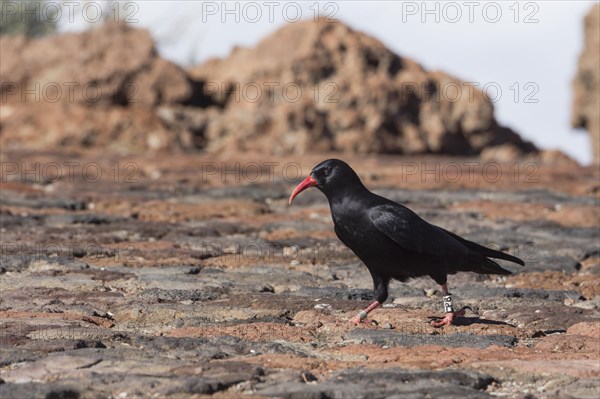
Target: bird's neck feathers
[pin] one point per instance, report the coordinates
(345, 189)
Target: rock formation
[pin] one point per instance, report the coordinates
(323, 86)
(307, 87)
(586, 86)
(92, 89)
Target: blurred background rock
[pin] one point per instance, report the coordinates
(73, 78)
(586, 86)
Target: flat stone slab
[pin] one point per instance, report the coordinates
(390, 383)
(398, 338)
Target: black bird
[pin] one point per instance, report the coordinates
(393, 241)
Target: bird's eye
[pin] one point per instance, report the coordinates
(327, 171)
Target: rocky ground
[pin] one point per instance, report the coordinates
(190, 275)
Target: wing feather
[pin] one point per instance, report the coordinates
(411, 232)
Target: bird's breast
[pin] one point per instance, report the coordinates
(352, 228)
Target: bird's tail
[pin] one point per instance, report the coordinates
(474, 262)
(487, 252)
(488, 266)
(492, 253)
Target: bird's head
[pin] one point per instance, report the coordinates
(330, 176)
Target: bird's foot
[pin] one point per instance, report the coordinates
(449, 318)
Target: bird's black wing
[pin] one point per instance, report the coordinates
(411, 232)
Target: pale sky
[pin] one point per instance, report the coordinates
(528, 50)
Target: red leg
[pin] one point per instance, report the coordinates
(362, 315)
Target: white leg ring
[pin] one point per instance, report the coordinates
(448, 304)
(362, 315)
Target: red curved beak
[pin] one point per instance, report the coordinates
(306, 183)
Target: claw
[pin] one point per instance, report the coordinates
(449, 318)
(359, 319)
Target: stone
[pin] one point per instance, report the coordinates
(89, 91)
(391, 383)
(355, 96)
(395, 338)
(586, 84)
(588, 329)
